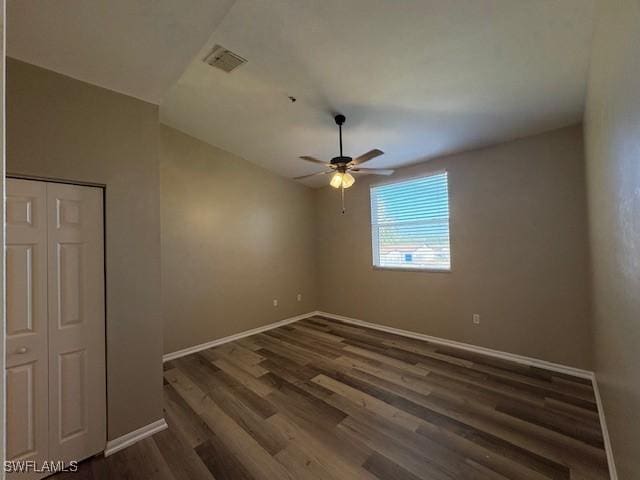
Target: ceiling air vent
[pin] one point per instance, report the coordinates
(223, 59)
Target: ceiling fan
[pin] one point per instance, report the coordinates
(342, 166)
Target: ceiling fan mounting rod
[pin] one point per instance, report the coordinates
(340, 119)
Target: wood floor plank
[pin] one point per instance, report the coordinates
(302, 465)
(385, 434)
(394, 362)
(428, 351)
(249, 421)
(254, 458)
(419, 405)
(338, 463)
(146, 461)
(382, 467)
(308, 343)
(430, 419)
(249, 343)
(325, 400)
(222, 463)
(233, 401)
(556, 422)
(582, 415)
(254, 384)
(499, 373)
(409, 460)
(292, 398)
(370, 403)
(317, 333)
(250, 399)
(184, 421)
(541, 441)
(181, 458)
(237, 355)
(298, 354)
(415, 383)
(240, 353)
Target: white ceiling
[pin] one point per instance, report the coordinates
(416, 79)
(136, 47)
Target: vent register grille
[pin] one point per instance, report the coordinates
(223, 59)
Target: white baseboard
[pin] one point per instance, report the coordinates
(521, 359)
(605, 431)
(130, 438)
(231, 338)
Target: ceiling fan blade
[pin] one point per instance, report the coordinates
(373, 171)
(312, 175)
(314, 160)
(367, 156)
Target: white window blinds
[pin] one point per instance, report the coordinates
(410, 224)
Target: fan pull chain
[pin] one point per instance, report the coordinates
(342, 192)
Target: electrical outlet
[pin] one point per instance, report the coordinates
(476, 319)
(275, 302)
(299, 297)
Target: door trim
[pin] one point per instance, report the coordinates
(37, 178)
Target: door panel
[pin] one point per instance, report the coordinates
(19, 264)
(77, 421)
(70, 288)
(73, 394)
(27, 336)
(20, 208)
(21, 423)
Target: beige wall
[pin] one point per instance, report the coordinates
(519, 253)
(234, 237)
(63, 128)
(612, 124)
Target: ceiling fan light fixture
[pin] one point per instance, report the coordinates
(348, 180)
(342, 180)
(336, 180)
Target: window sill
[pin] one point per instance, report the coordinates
(417, 270)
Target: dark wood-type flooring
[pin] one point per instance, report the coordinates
(320, 399)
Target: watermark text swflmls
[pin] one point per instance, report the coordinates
(47, 466)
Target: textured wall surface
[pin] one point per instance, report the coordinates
(519, 253)
(234, 237)
(612, 123)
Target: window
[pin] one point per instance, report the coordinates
(410, 224)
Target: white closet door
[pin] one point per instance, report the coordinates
(26, 327)
(77, 418)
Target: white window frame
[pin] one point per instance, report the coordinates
(375, 244)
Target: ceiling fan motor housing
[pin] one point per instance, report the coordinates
(340, 160)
